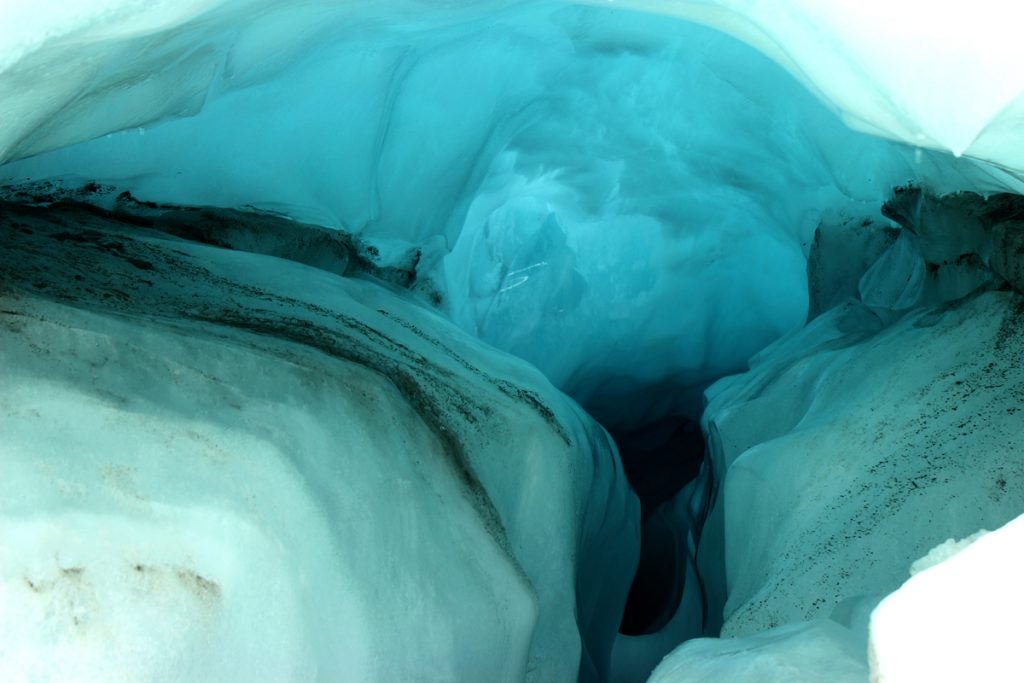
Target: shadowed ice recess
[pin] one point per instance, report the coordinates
(508, 340)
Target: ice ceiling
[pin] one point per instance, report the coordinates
(623, 198)
(622, 193)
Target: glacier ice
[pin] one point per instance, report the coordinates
(938, 76)
(920, 444)
(810, 652)
(850, 449)
(606, 173)
(220, 463)
(633, 196)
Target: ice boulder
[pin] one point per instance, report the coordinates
(227, 465)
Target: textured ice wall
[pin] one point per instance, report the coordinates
(222, 464)
(850, 449)
(847, 459)
(946, 77)
(657, 202)
(623, 199)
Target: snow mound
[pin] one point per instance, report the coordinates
(957, 620)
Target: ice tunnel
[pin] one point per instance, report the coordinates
(606, 341)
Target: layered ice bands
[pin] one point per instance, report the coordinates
(221, 465)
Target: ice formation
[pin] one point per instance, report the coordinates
(938, 76)
(221, 464)
(885, 444)
(576, 146)
(275, 275)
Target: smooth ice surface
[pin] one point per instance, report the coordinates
(812, 652)
(957, 620)
(221, 464)
(943, 76)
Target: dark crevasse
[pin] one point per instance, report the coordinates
(659, 460)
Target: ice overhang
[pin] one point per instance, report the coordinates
(945, 76)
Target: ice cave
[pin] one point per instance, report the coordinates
(486, 341)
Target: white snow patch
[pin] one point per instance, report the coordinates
(958, 620)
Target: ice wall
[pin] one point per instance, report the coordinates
(623, 199)
(221, 464)
(849, 450)
(656, 203)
